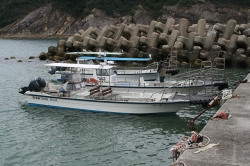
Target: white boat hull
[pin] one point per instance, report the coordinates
(109, 106)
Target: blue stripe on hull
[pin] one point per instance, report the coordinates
(94, 111)
(108, 101)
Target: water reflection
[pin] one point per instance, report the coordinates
(112, 138)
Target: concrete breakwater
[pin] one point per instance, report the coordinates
(191, 43)
(231, 135)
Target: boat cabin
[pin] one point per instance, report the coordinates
(101, 73)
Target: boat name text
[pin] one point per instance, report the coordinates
(44, 98)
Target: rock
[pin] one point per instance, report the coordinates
(242, 61)
(77, 37)
(197, 63)
(203, 55)
(192, 56)
(52, 49)
(240, 51)
(31, 57)
(209, 40)
(43, 56)
(184, 64)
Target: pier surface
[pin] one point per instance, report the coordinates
(233, 135)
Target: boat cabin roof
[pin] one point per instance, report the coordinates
(96, 53)
(85, 66)
(112, 58)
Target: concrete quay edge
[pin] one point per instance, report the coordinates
(233, 135)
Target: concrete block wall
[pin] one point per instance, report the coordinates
(196, 41)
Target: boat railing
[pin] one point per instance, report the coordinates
(216, 72)
(209, 72)
(153, 65)
(127, 99)
(183, 97)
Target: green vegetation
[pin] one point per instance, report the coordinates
(13, 10)
(10, 11)
(187, 3)
(232, 3)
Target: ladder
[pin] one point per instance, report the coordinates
(171, 61)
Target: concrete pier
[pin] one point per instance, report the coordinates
(233, 135)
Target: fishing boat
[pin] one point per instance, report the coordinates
(75, 95)
(149, 73)
(107, 77)
(128, 74)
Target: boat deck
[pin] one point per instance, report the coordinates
(129, 96)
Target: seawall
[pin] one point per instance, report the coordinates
(233, 134)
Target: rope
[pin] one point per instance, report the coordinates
(194, 141)
(210, 104)
(227, 94)
(222, 115)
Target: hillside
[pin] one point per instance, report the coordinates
(198, 29)
(36, 18)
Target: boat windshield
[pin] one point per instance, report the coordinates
(85, 61)
(104, 72)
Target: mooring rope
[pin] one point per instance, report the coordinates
(194, 141)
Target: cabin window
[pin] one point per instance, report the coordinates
(78, 86)
(73, 86)
(82, 84)
(111, 72)
(104, 72)
(84, 61)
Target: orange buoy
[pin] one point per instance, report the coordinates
(95, 81)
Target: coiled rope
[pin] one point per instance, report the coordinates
(222, 115)
(194, 141)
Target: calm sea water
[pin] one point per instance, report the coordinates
(46, 136)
